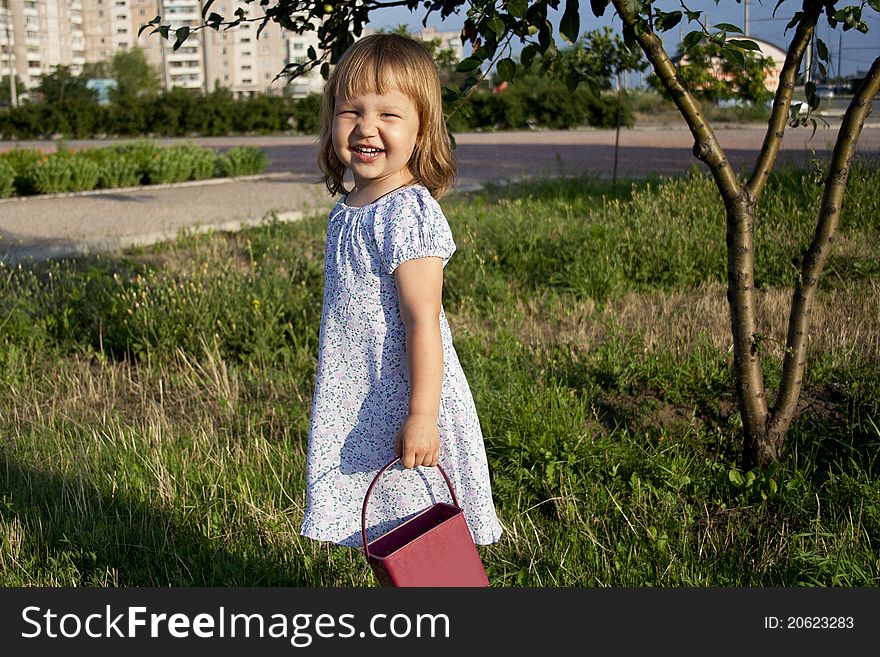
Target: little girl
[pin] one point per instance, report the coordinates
(389, 382)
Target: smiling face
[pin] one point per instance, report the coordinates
(374, 136)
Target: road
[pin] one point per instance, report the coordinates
(664, 150)
(106, 220)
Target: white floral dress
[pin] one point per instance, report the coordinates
(361, 395)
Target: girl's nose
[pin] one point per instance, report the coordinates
(367, 126)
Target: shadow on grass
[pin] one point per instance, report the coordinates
(79, 535)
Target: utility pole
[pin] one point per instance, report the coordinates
(206, 70)
(10, 53)
(162, 48)
(746, 27)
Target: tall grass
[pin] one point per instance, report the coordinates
(154, 403)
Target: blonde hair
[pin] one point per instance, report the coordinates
(380, 63)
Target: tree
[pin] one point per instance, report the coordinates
(61, 86)
(135, 76)
(5, 90)
(711, 77)
(490, 27)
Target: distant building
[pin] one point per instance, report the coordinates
(768, 50)
(38, 35)
(45, 34)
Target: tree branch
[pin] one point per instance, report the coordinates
(815, 258)
(706, 146)
(740, 211)
(782, 102)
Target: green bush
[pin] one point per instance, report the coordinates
(7, 179)
(307, 114)
(181, 162)
(242, 161)
(141, 152)
(62, 172)
(21, 159)
(166, 166)
(118, 171)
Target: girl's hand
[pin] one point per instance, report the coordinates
(418, 442)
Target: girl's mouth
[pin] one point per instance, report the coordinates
(366, 153)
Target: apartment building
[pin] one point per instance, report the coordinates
(38, 35)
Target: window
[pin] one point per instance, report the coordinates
(122, 30)
(246, 67)
(299, 46)
(246, 53)
(246, 81)
(245, 40)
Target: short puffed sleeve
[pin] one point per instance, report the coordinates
(411, 225)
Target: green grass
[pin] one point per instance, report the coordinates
(154, 403)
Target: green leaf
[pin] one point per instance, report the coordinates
(449, 95)
(545, 37)
(666, 21)
(527, 56)
(570, 25)
(728, 27)
(573, 79)
(155, 21)
(497, 25)
(506, 69)
(468, 64)
(517, 7)
(734, 56)
(181, 34)
(823, 50)
(634, 6)
(743, 44)
(691, 39)
(598, 7)
(736, 478)
(467, 84)
(810, 93)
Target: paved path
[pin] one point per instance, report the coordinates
(100, 221)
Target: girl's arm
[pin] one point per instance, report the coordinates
(419, 290)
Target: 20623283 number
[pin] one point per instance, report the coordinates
(819, 622)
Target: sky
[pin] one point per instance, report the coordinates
(858, 51)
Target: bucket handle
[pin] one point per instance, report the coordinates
(370, 490)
